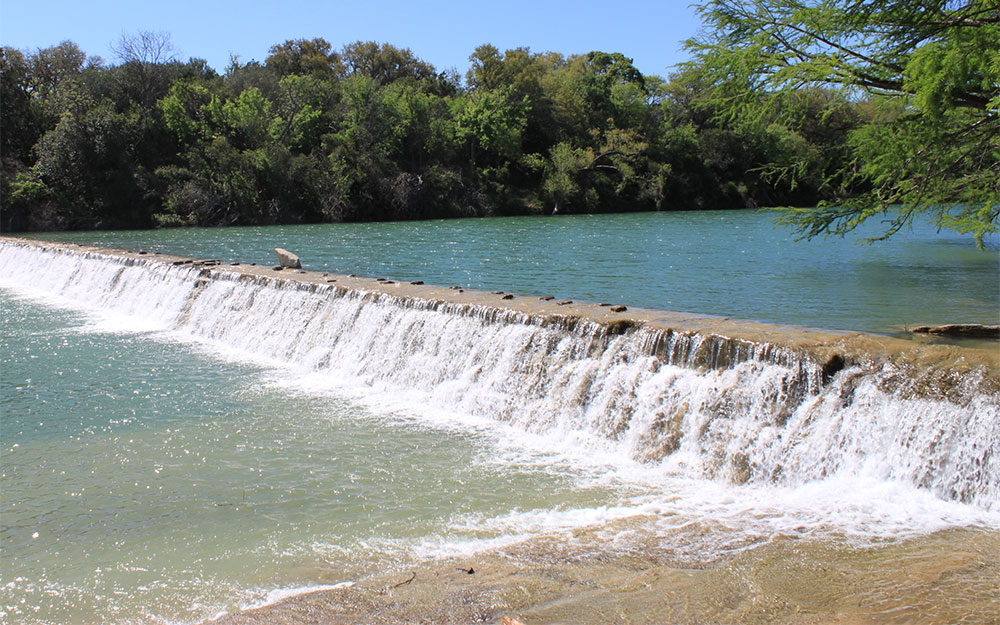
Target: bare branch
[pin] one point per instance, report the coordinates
(145, 47)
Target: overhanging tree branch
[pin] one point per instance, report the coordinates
(926, 67)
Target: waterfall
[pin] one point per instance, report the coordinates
(697, 405)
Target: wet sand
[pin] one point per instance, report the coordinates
(947, 578)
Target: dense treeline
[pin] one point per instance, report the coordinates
(372, 132)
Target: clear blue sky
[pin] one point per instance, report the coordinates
(443, 33)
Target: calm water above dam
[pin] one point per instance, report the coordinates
(729, 263)
(173, 448)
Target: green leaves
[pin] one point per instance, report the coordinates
(786, 102)
(491, 122)
(929, 73)
(184, 110)
(303, 57)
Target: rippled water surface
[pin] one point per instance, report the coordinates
(143, 478)
(731, 263)
(167, 474)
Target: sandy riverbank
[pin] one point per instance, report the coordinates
(946, 578)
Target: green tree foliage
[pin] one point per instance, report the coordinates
(90, 163)
(51, 66)
(927, 72)
(184, 110)
(589, 179)
(385, 63)
(298, 110)
(304, 57)
(490, 124)
(20, 114)
(372, 132)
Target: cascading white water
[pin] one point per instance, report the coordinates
(694, 405)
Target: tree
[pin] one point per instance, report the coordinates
(89, 162)
(490, 123)
(385, 63)
(595, 178)
(240, 77)
(522, 72)
(19, 119)
(183, 110)
(145, 57)
(304, 56)
(50, 66)
(299, 110)
(930, 71)
(486, 66)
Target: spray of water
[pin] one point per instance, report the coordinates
(688, 405)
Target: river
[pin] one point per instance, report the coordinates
(174, 450)
(730, 263)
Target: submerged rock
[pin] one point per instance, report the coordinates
(971, 330)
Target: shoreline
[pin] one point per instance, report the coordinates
(939, 579)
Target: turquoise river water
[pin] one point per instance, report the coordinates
(730, 263)
(170, 453)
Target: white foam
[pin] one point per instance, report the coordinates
(861, 510)
(852, 455)
(277, 595)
